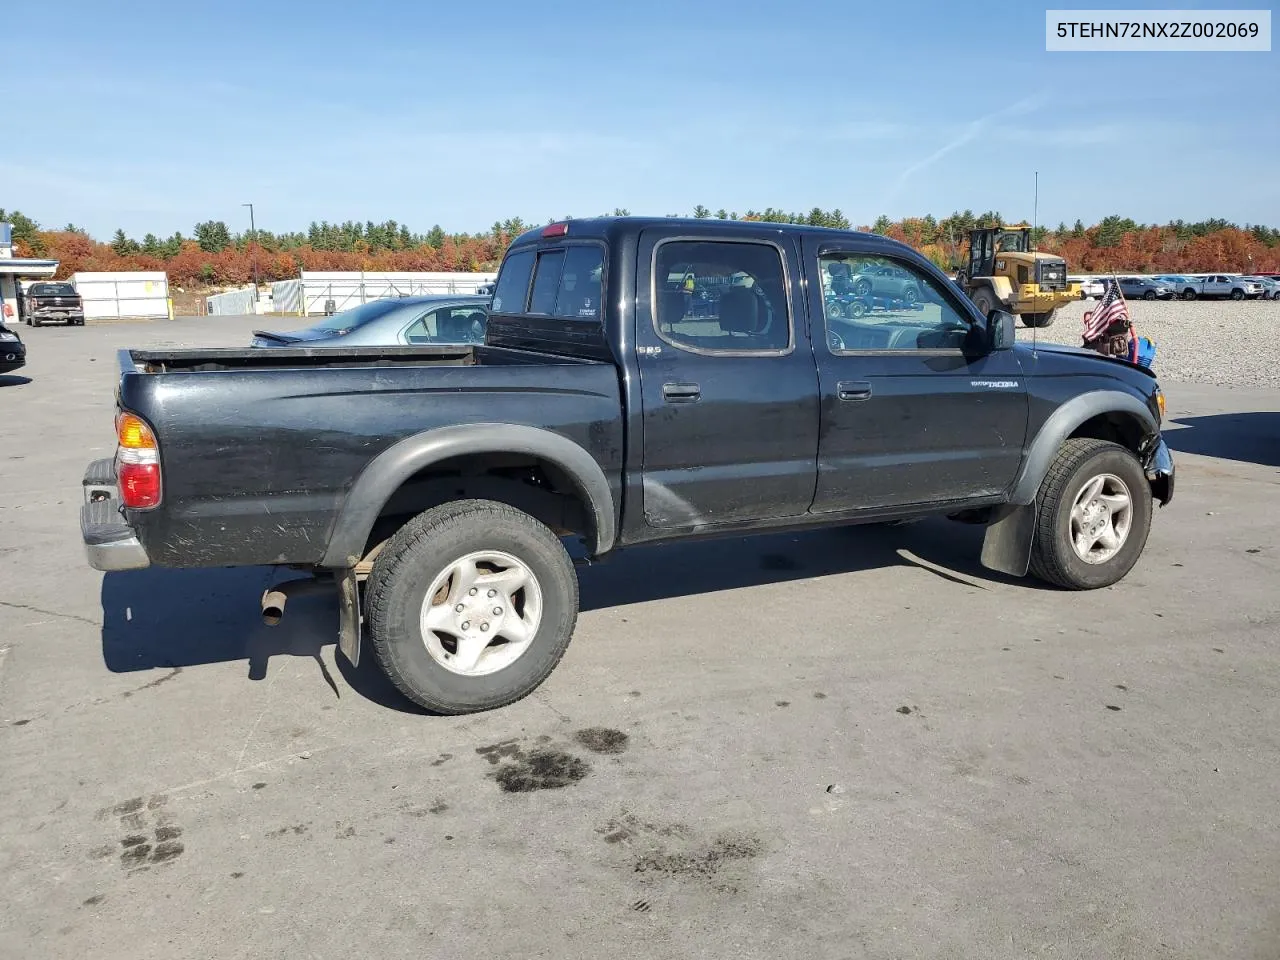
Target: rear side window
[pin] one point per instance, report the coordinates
(513, 283)
(579, 297)
(721, 297)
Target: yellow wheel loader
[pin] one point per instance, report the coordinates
(1004, 273)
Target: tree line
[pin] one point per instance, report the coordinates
(214, 255)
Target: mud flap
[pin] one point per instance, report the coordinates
(1007, 545)
(349, 616)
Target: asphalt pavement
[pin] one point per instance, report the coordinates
(846, 743)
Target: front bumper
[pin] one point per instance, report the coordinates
(1159, 469)
(109, 543)
(13, 354)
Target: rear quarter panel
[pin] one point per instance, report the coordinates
(256, 464)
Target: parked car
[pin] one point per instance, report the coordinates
(405, 321)
(885, 282)
(45, 302)
(1270, 286)
(600, 407)
(1090, 288)
(1145, 288)
(1184, 287)
(1224, 285)
(13, 352)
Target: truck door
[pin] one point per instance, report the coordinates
(909, 416)
(728, 386)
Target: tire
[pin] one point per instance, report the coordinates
(1149, 295)
(984, 301)
(1188, 294)
(856, 309)
(1237, 294)
(862, 288)
(35, 322)
(414, 562)
(1039, 319)
(1080, 462)
(911, 295)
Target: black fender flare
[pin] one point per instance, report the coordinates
(389, 469)
(1060, 425)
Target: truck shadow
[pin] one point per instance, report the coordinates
(1247, 437)
(158, 618)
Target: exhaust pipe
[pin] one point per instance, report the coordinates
(274, 599)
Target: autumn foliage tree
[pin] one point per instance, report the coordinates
(214, 256)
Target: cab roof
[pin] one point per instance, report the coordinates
(610, 228)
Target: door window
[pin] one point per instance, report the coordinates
(876, 303)
(448, 325)
(716, 296)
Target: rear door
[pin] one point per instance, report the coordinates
(910, 413)
(728, 385)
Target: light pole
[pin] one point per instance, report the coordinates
(253, 257)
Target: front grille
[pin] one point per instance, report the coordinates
(1051, 274)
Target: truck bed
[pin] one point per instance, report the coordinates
(201, 360)
(259, 448)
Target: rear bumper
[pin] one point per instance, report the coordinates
(1159, 469)
(109, 543)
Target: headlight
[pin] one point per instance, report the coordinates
(8, 337)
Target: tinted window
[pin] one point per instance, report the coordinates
(513, 283)
(579, 296)
(348, 320)
(546, 282)
(870, 308)
(719, 296)
(52, 290)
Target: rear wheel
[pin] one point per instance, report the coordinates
(470, 606)
(1093, 515)
(35, 322)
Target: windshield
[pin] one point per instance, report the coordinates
(348, 320)
(51, 290)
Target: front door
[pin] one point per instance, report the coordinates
(911, 412)
(728, 385)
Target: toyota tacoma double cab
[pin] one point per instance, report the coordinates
(436, 488)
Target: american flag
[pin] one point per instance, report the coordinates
(1110, 309)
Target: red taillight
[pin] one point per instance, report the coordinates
(137, 463)
(555, 230)
(139, 484)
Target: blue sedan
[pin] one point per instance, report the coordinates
(405, 321)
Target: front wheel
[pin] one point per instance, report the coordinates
(1188, 294)
(1093, 515)
(984, 301)
(470, 606)
(1237, 294)
(1149, 295)
(1039, 319)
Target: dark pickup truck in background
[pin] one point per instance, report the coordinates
(641, 380)
(52, 301)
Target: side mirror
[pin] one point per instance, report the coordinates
(1001, 328)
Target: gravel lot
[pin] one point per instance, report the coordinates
(1201, 341)
(831, 745)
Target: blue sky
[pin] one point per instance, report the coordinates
(462, 114)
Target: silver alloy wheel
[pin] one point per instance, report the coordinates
(1101, 518)
(481, 613)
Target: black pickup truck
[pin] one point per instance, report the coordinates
(46, 302)
(641, 380)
